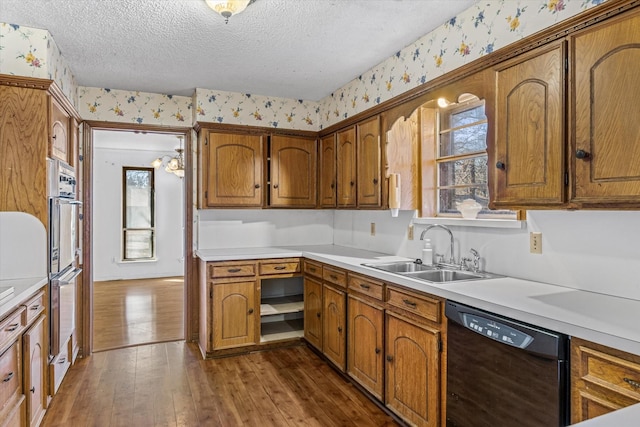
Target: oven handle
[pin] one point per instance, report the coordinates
(68, 279)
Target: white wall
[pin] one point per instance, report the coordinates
(134, 150)
(246, 228)
(589, 250)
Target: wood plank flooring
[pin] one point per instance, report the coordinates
(133, 312)
(168, 384)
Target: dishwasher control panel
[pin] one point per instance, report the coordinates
(496, 331)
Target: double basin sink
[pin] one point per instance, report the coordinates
(429, 273)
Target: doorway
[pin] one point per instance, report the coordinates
(138, 229)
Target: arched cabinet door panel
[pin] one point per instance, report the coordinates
(606, 85)
(234, 314)
(231, 168)
(529, 147)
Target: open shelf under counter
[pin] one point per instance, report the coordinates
(282, 330)
(282, 305)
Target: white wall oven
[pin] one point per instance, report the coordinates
(63, 272)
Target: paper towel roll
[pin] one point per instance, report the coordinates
(394, 193)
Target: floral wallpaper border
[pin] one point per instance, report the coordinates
(33, 52)
(486, 26)
(134, 107)
(248, 109)
(479, 30)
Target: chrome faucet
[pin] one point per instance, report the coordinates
(451, 251)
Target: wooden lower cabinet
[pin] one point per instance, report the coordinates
(602, 380)
(412, 371)
(35, 353)
(313, 311)
(234, 314)
(365, 345)
(334, 325)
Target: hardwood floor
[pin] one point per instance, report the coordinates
(133, 312)
(168, 384)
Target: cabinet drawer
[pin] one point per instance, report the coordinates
(610, 371)
(35, 306)
(12, 326)
(232, 270)
(423, 306)
(335, 276)
(365, 285)
(313, 269)
(282, 266)
(10, 373)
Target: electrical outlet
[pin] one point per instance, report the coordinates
(535, 242)
(410, 233)
(373, 228)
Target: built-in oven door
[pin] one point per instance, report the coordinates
(63, 233)
(63, 307)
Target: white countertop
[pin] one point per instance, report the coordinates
(22, 289)
(604, 319)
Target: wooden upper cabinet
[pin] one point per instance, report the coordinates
(346, 163)
(529, 147)
(24, 141)
(59, 146)
(327, 187)
(606, 87)
(369, 163)
(231, 170)
(293, 172)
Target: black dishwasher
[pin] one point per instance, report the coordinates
(501, 372)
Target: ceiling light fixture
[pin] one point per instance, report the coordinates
(174, 165)
(443, 102)
(228, 8)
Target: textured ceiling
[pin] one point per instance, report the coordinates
(300, 49)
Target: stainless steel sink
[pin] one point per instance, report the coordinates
(429, 273)
(446, 275)
(401, 267)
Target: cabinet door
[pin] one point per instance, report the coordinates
(313, 312)
(293, 171)
(365, 362)
(346, 163)
(412, 377)
(59, 144)
(234, 314)
(24, 139)
(232, 170)
(35, 355)
(606, 85)
(369, 163)
(327, 187)
(333, 327)
(529, 167)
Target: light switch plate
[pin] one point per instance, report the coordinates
(535, 242)
(410, 233)
(373, 228)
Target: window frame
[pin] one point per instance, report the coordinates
(152, 228)
(449, 110)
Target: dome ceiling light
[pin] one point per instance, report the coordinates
(228, 8)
